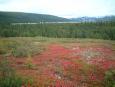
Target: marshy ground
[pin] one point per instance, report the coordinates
(52, 62)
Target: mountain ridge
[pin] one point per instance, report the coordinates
(94, 19)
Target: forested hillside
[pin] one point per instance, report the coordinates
(20, 17)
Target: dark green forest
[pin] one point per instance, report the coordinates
(99, 30)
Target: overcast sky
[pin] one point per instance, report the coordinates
(62, 8)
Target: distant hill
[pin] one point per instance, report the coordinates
(20, 17)
(93, 19)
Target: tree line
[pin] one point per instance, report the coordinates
(98, 30)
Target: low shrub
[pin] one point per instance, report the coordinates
(8, 77)
(110, 78)
(19, 48)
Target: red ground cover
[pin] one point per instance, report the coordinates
(76, 66)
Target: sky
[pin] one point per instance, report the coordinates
(61, 8)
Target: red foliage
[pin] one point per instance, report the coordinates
(61, 65)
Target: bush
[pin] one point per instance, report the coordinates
(8, 77)
(110, 78)
(19, 48)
